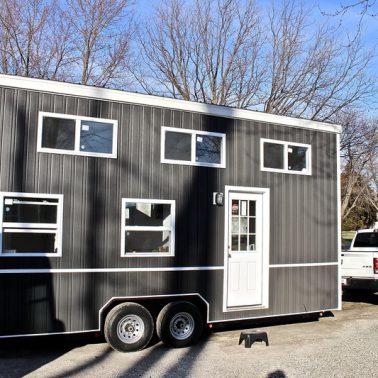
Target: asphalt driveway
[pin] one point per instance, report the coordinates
(342, 344)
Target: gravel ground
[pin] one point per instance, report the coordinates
(342, 345)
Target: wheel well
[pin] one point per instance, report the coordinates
(153, 305)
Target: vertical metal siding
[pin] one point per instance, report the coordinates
(303, 209)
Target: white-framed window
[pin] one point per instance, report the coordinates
(31, 224)
(192, 147)
(77, 135)
(148, 227)
(285, 157)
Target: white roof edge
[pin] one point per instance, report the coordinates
(57, 87)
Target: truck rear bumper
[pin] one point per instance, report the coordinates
(360, 283)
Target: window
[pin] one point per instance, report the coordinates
(287, 157)
(30, 224)
(191, 147)
(148, 227)
(366, 240)
(76, 135)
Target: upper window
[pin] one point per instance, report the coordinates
(148, 227)
(278, 156)
(76, 135)
(191, 147)
(30, 224)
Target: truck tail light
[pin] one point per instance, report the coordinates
(375, 265)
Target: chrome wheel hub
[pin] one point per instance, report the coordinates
(130, 329)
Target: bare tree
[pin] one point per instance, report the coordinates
(102, 31)
(33, 39)
(225, 52)
(204, 51)
(313, 73)
(359, 152)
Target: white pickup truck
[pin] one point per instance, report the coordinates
(359, 264)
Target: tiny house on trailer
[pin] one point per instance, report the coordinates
(125, 213)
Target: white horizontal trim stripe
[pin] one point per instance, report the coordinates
(272, 315)
(40, 85)
(112, 270)
(304, 265)
(49, 334)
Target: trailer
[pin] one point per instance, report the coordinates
(126, 213)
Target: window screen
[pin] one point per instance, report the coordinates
(273, 155)
(178, 146)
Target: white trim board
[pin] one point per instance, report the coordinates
(50, 86)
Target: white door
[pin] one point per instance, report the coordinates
(245, 249)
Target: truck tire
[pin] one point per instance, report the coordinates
(128, 327)
(179, 324)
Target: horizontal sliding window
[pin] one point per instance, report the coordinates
(75, 135)
(30, 224)
(286, 157)
(191, 147)
(148, 227)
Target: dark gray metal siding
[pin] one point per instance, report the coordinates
(303, 209)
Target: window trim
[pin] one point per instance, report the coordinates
(77, 120)
(172, 229)
(193, 133)
(307, 172)
(42, 228)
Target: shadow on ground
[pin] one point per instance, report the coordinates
(360, 296)
(21, 356)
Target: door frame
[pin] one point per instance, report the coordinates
(265, 192)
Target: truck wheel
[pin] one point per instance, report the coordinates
(128, 327)
(179, 324)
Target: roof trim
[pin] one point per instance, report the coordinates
(57, 87)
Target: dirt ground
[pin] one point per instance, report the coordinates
(342, 344)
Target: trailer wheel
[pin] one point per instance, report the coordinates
(128, 327)
(179, 324)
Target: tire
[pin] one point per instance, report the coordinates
(179, 324)
(128, 327)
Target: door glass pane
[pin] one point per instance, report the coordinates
(297, 158)
(24, 242)
(178, 146)
(235, 225)
(148, 214)
(147, 241)
(58, 133)
(235, 207)
(235, 243)
(251, 242)
(252, 225)
(96, 137)
(243, 225)
(208, 149)
(243, 242)
(252, 208)
(273, 155)
(17, 211)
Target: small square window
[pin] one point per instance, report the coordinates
(76, 135)
(286, 157)
(191, 147)
(148, 227)
(96, 137)
(208, 149)
(178, 146)
(30, 224)
(58, 133)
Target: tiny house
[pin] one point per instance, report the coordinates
(127, 213)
